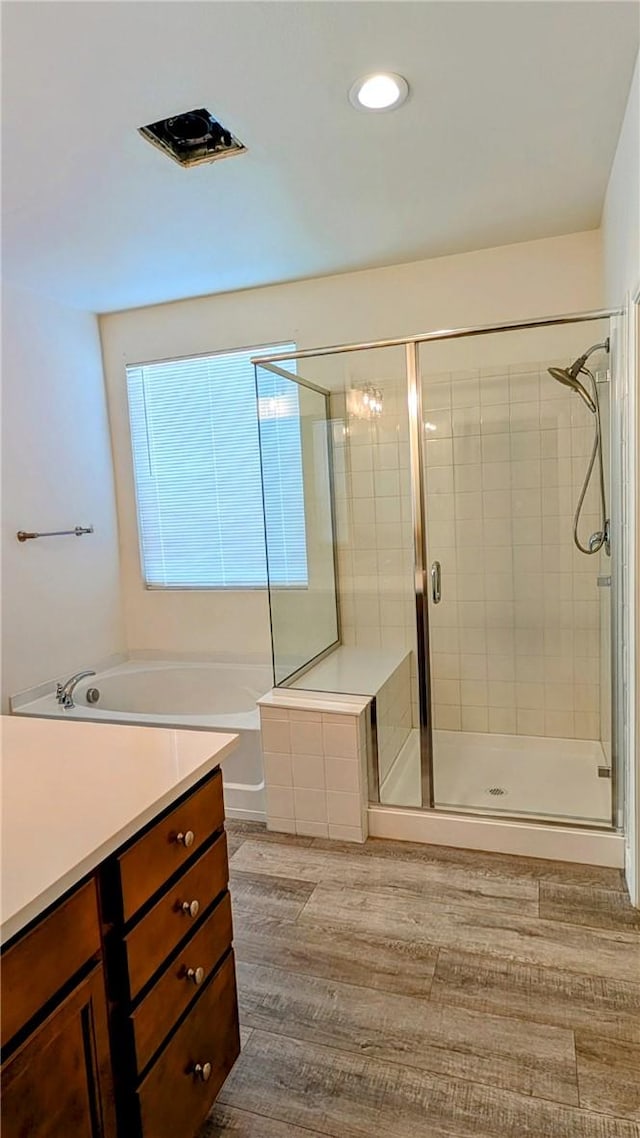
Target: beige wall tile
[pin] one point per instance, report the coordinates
(343, 809)
(280, 802)
(277, 770)
(276, 736)
(306, 738)
(310, 805)
(308, 771)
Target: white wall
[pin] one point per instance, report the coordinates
(621, 213)
(536, 278)
(621, 249)
(60, 596)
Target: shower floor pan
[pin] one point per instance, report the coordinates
(520, 775)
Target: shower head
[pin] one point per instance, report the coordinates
(563, 375)
(569, 375)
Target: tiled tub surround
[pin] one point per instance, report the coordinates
(516, 638)
(315, 762)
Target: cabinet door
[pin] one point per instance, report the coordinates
(57, 1084)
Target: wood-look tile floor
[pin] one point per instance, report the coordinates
(395, 990)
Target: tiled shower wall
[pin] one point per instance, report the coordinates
(373, 520)
(516, 638)
(394, 716)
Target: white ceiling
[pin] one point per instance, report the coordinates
(508, 135)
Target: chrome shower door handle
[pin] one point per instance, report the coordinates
(436, 589)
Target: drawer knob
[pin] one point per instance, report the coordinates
(196, 975)
(186, 839)
(190, 908)
(202, 1071)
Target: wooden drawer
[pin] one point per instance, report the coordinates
(44, 959)
(170, 995)
(58, 1082)
(167, 923)
(173, 1099)
(151, 861)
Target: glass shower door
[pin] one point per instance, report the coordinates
(519, 662)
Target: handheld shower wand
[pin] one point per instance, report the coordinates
(569, 377)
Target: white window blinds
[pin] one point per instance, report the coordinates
(196, 456)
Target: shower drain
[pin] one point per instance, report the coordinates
(496, 790)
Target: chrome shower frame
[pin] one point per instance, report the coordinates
(421, 583)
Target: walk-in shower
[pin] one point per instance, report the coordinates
(457, 472)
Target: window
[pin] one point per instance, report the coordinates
(196, 457)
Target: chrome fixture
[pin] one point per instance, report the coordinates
(442, 334)
(436, 582)
(365, 402)
(563, 375)
(569, 377)
(77, 531)
(64, 692)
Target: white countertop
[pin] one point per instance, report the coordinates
(72, 793)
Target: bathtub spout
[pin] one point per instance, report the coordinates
(64, 692)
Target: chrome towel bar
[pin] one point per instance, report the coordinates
(77, 531)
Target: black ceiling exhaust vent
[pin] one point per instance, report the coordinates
(193, 138)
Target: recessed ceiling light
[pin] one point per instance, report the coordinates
(383, 91)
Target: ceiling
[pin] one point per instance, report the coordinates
(508, 135)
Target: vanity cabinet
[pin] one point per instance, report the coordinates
(120, 1015)
(56, 1077)
(170, 968)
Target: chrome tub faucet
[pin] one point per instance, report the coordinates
(64, 692)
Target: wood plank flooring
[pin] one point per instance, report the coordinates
(395, 990)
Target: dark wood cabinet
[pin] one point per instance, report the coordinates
(180, 983)
(148, 1060)
(39, 964)
(58, 1079)
(147, 862)
(176, 1095)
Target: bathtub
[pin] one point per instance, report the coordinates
(196, 696)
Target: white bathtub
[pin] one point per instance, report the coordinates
(197, 696)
